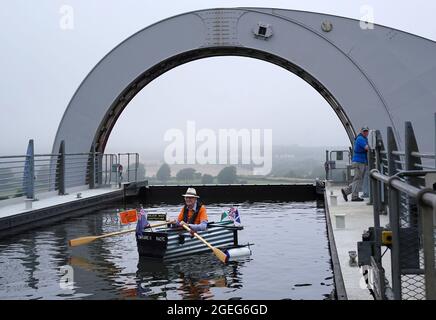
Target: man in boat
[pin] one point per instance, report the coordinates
(193, 212)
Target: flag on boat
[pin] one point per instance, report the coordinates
(232, 214)
(224, 215)
(142, 222)
(129, 216)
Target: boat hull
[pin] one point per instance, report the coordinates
(172, 244)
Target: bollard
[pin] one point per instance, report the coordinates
(353, 255)
(28, 203)
(340, 220)
(333, 201)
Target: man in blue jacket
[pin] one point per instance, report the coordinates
(360, 163)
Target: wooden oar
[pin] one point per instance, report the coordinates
(84, 240)
(218, 253)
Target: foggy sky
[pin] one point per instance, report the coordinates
(42, 66)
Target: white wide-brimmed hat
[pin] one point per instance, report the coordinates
(191, 193)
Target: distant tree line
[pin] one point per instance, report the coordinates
(227, 175)
(307, 168)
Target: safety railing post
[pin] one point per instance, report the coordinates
(394, 222)
(29, 171)
(381, 155)
(136, 166)
(410, 146)
(99, 168)
(376, 209)
(393, 166)
(91, 169)
(60, 177)
(427, 218)
(411, 160)
(371, 165)
(128, 167)
(113, 161)
(105, 167)
(118, 176)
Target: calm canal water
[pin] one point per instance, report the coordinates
(290, 260)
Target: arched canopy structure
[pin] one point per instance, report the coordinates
(377, 77)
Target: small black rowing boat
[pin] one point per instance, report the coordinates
(170, 243)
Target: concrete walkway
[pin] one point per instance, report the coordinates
(18, 215)
(13, 207)
(358, 216)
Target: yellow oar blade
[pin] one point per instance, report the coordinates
(80, 241)
(220, 255)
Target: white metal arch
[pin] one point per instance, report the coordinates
(377, 77)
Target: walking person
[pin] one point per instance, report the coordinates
(360, 164)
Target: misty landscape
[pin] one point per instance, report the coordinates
(242, 151)
(290, 164)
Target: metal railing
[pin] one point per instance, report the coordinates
(131, 162)
(12, 176)
(413, 242)
(403, 184)
(338, 165)
(31, 174)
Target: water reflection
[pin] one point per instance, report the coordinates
(290, 242)
(189, 279)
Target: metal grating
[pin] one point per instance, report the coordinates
(413, 287)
